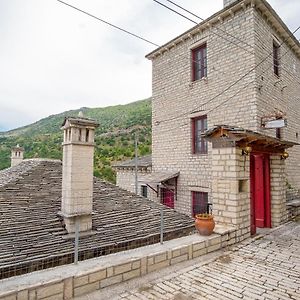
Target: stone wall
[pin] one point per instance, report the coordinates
(126, 180)
(68, 281)
(177, 99)
(278, 191)
(231, 189)
(278, 93)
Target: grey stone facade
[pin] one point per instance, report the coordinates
(240, 89)
(17, 154)
(176, 99)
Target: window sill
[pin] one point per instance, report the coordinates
(203, 79)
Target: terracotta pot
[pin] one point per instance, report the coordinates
(205, 224)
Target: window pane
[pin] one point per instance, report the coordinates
(199, 63)
(200, 201)
(144, 191)
(276, 58)
(200, 126)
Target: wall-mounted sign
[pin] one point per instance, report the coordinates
(280, 123)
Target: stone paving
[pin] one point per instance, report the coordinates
(266, 267)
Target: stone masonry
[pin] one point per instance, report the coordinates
(278, 194)
(177, 99)
(17, 154)
(77, 181)
(267, 268)
(231, 192)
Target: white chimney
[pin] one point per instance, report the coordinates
(228, 2)
(77, 175)
(17, 154)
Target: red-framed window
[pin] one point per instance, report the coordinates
(276, 62)
(199, 125)
(200, 203)
(199, 62)
(167, 197)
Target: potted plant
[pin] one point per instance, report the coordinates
(205, 223)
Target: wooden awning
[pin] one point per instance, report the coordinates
(224, 135)
(158, 177)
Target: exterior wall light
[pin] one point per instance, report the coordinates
(284, 155)
(246, 150)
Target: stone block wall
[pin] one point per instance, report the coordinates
(126, 180)
(177, 99)
(80, 281)
(278, 93)
(231, 189)
(278, 191)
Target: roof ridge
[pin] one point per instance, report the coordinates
(14, 173)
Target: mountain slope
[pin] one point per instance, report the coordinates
(114, 137)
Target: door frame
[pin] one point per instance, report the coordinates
(260, 202)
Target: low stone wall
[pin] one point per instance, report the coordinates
(66, 282)
(292, 203)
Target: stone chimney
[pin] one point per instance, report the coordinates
(17, 154)
(228, 2)
(77, 175)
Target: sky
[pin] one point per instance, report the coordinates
(54, 58)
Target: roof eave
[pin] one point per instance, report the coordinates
(229, 10)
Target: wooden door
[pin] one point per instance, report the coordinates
(167, 197)
(260, 191)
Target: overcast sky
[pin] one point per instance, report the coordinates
(53, 58)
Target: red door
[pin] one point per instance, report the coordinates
(260, 191)
(167, 197)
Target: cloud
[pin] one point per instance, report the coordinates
(54, 58)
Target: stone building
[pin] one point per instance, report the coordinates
(17, 155)
(126, 174)
(240, 67)
(41, 201)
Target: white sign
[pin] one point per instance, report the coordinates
(276, 123)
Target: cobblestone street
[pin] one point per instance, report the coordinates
(266, 267)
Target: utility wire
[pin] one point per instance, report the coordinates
(215, 33)
(108, 23)
(200, 108)
(175, 11)
(116, 27)
(130, 33)
(222, 30)
(141, 38)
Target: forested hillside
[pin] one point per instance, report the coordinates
(114, 137)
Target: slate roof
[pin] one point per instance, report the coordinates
(144, 162)
(32, 236)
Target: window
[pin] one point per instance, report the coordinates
(144, 191)
(87, 135)
(200, 202)
(199, 62)
(278, 133)
(276, 58)
(199, 125)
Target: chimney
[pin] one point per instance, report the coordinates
(16, 155)
(228, 2)
(77, 174)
